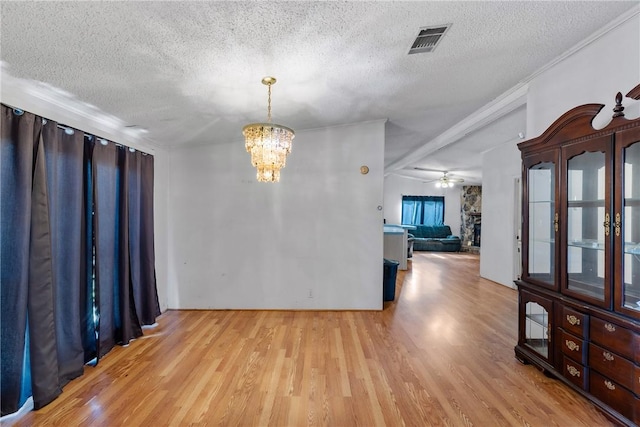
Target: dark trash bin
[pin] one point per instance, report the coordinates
(389, 279)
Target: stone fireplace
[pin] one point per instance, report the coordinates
(471, 217)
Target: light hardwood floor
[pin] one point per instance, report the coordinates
(441, 354)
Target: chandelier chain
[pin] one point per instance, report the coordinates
(269, 107)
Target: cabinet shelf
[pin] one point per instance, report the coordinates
(585, 203)
(587, 244)
(538, 240)
(632, 248)
(539, 319)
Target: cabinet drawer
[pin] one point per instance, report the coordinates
(575, 372)
(620, 340)
(612, 365)
(573, 347)
(575, 322)
(619, 398)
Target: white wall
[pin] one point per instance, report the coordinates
(500, 167)
(236, 243)
(161, 219)
(396, 186)
(594, 74)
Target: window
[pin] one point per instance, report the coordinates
(423, 210)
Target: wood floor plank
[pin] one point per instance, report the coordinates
(441, 354)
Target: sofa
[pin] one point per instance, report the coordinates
(434, 238)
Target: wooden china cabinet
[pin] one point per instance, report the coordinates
(579, 296)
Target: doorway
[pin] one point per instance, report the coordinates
(517, 226)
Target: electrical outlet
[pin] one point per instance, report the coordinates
(310, 293)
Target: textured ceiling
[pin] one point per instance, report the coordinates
(189, 72)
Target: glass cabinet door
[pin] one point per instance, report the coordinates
(536, 322)
(537, 328)
(543, 223)
(588, 226)
(627, 230)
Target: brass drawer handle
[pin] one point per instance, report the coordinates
(573, 319)
(610, 385)
(572, 345)
(609, 327)
(608, 356)
(573, 371)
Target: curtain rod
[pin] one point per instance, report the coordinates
(70, 130)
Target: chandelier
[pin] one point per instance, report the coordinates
(268, 143)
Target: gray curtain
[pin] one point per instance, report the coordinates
(77, 264)
(118, 322)
(66, 185)
(141, 244)
(16, 175)
(27, 293)
(105, 196)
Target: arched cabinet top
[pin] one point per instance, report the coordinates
(578, 123)
(634, 93)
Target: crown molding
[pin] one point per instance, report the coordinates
(56, 104)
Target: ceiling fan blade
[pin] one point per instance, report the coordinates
(430, 170)
(444, 178)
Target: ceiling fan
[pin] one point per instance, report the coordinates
(445, 181)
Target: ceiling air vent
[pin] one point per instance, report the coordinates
(428, 38)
